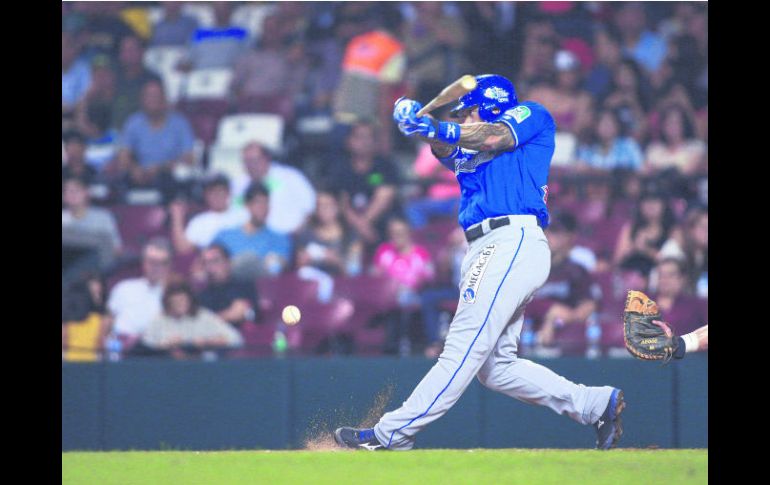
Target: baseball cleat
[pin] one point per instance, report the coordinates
(357, 439)
(609, 427)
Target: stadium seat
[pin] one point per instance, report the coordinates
(204, 116)
(378, 293)
(571, 339)
(257, 340)
(287, 289)
(605, 282)
(612, 334)
(163, 59)
(138, 223)
(235, 131)
(208, 84)
(173, 84)
(564, 153)
(250, 17)
(373, 296)
(227, 161)
(320, 321)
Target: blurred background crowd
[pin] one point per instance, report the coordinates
(221, 160)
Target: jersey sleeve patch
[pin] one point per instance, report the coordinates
(520, 113)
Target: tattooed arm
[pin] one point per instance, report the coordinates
(485, 137)
(476, 136)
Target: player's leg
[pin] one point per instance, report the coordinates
(518, 265)
(533, 383)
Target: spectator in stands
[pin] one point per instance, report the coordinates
(633, 273)
(366, 184)
(690, 59)
(85, 322)
(234, 301)
(267, 79)
(569, 104)
(494, 27)
(569, 296)
(184, 329)
(434, 43)
(441, 197)
(373, 65)
(104, 28)
(217, 46)
(643, 45)
(412, 267)
(75, 151)
(540, 46)
(679, 308)
(175, 29)
(132, 77)
(256, 249)
(93, 115)
(292, 197)
(75, 73)
(154, 142)
(90, 237)
(629, 96)
(327, 247)
(448, 261)
(135, 302)
(608, 148)
(678, 147)
(202, 228)
(650, 227)
(690, 244)
(607, 45)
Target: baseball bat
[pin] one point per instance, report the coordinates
(459, 88)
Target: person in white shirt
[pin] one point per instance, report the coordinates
(202, 228)
(292, 197)
(135, 302)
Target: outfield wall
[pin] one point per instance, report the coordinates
(278, 403)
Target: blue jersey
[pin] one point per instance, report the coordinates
(512, 181)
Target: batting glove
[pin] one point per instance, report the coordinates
(429, 127)
(405, 109)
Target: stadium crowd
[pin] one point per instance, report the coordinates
(221, 160)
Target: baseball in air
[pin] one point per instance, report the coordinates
(291, 315)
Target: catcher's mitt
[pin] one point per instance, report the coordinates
(645, 339)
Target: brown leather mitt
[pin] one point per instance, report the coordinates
(645, 339)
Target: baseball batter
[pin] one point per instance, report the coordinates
(501, 156)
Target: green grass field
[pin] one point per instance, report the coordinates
(518, 466)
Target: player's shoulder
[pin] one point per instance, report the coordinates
(528, 109)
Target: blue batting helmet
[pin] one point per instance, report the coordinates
(494, 95)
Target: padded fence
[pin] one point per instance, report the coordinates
(281, 403)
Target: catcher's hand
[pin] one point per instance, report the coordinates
(645, 334)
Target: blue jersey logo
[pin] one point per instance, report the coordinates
(469, 296)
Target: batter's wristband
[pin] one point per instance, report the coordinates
(447, 131)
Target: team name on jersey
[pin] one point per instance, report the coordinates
(469, 160)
